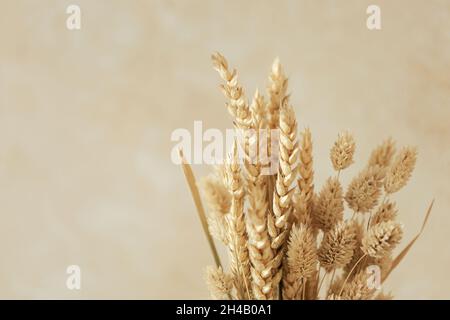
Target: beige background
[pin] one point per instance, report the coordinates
(86, 118)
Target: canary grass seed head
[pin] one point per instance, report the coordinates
(342, 152)
(382, 238)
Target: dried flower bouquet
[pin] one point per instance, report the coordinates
(285, 240)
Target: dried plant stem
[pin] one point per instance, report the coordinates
(350, 273)
(190, 178)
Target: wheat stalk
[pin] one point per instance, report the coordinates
(341, 154)
(278, 221)
(240, 263)
(277, 89)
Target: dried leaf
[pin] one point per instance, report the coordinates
(190, 178)
(405, 251)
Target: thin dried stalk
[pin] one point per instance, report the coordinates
(405, 251)
(190, 178)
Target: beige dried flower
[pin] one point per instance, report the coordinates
(385, 212)
(338, 244)
(301, 260)
(358, 288)
(365, 189)
(382, 238)
(219, 283)
(400, 171)
(329, 207)
(240, 264)
(218, 201)
(382, 155)
(341, 153)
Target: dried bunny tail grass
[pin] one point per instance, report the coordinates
(218, 201)
(240, 264)
(382, 154)
(365, 189)
(219, 283)
(329, 207)
(382, 238)
(238, 105)
(277, 88)
(385, 212)
(338, 244)
(400, 171)
(301, 260)
(356, 262)
(216, 195)
(278, 225)
(341, 153)
(358, 288)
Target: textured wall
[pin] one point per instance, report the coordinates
(86, 118)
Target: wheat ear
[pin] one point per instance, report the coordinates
(237, 105)
(240, 264)
(278, 221)
(304, 199)
(301, 261)
(277, 89)
(261, 253)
